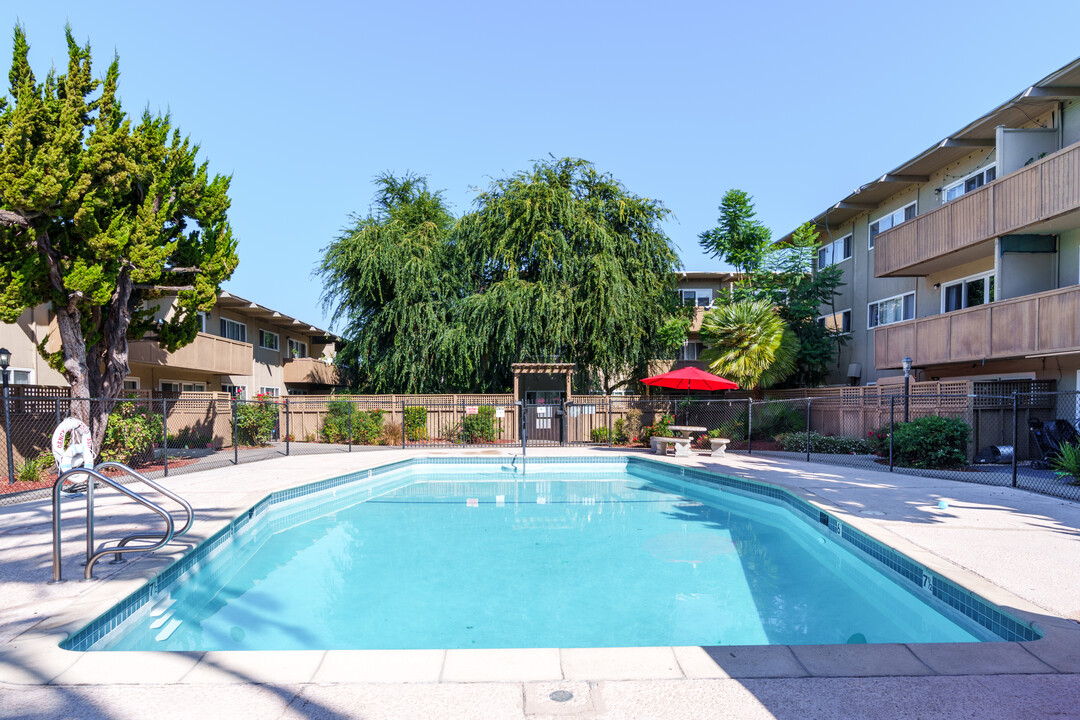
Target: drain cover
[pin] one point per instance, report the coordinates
(561, 695)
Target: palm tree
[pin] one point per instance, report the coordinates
(749, 343)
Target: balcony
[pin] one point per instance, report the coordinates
(208, 353)
(310, 370)
(1041, 324)
(1030, 199)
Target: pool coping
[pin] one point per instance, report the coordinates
(35, 658)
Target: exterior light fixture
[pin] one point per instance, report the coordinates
(906, 362)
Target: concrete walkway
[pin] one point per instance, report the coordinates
(1017, 549)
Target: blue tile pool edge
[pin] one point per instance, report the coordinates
(968, 603)
(924, 579)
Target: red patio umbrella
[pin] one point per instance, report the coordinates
(690, 378)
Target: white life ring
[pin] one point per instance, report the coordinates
(79, 452)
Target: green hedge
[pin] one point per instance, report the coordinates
(415, 424)
(824, 444)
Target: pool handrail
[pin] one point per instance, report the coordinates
(161, 489)
(91, 556)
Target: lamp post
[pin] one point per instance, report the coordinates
(907, 386)
(5, 360)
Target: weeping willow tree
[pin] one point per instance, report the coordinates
(566, 263)
(749, 343)
(393, 277)
(557, 262)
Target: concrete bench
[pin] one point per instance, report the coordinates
(718, 446)
(681, 445)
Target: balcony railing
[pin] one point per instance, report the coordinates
(1043, 190)
(208, 353)
(1040, 324)
(310, 370)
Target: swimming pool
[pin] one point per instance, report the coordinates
(484, 553)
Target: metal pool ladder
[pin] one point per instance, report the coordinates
(92, 555)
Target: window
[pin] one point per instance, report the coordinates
(297, 349)
(20, 376)
(202, 321)
(696, 296)
(177, 386)
(891, 310)
(131, 384)
(834, 252)
(967, 292)
(268, 340)
(271, 391)
(837, 322)
(233, 330)
(690, 350)
(973, 181)
(298, 392)
(891, 220)
(237, 391)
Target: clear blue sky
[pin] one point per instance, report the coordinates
(304, 103)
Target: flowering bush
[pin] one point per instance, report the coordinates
(657, 429)
(131, 433)
(255, 421)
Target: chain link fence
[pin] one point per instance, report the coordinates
(1023, 439)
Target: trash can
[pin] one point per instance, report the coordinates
(995, 454)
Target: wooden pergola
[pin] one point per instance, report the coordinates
(538, 368)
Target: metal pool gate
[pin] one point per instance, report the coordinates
(545, 424)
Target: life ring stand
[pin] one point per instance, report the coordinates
(79, 452)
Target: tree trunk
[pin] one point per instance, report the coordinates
(96, 374)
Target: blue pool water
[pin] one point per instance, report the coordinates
(574, 556)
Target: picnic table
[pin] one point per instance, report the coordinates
(688, 429)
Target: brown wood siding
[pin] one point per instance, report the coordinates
(1045, 189)
(1016, 200)
(1036, 324)
(208, 353)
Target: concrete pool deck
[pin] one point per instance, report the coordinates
(1016, 549)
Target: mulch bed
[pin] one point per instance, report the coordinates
(147, 467)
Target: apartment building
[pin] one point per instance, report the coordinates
(243, 348)
(700, 289)
(966, 258)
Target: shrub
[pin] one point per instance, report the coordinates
(824, 444)
(733, 428)
(930, 442)
(777, 418)
(451, 433)
(1066, 463)
(391, 434)
(657, 429)
(35, 469)
(415, 418)
(335, 425)
(130, 434)
(599, 435)
(632, 424)
(878, 441)
(255, 421)
(481, 427)
(368, 427)
(619, 431)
